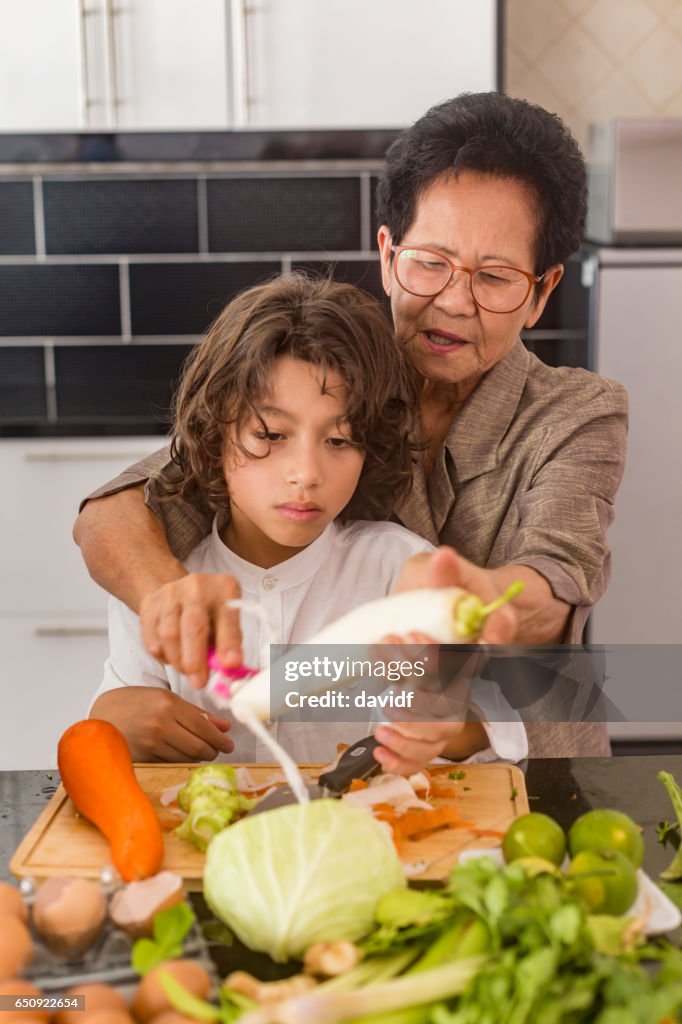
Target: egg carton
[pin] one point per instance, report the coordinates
(108, 960)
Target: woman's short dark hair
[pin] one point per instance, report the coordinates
(335, 327)
(494, 134)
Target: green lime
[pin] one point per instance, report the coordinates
(534, 835)
(606, 880)
(607, 830)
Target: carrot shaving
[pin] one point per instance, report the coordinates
(357, 784)
(385, 812)
(415, 823)
(492, 832)
(444, 790)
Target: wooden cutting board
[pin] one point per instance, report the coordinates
(60, 842)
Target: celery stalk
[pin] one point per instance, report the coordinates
(467, 937)
(320, 1007)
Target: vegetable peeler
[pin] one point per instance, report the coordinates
(357, 762)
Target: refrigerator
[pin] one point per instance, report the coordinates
(635, 337)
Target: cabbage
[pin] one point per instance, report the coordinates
(299, 874)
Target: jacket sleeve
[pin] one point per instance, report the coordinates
(185, 522)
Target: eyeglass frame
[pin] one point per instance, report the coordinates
(531, 278)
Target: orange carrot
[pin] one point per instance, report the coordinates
(357, 784)
(97, 773)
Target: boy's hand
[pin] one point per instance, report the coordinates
(408, 746)
(160, 726)
(182, 619)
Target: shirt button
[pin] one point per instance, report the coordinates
(269, 582)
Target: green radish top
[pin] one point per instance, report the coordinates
(471, 613)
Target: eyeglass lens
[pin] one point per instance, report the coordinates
(501, 289)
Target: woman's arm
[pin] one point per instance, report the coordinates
(124, 546)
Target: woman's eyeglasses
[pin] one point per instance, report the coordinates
(425, 273)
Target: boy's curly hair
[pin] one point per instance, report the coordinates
(336, 327)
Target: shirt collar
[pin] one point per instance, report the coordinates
(295, 570)
(477, 430)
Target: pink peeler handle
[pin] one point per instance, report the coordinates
(238, 672)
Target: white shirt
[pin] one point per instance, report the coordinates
(346, 566)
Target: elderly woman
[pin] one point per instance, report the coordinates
(481, 202)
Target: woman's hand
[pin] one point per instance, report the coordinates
(182, 619)
(445, 568)
(160, 726)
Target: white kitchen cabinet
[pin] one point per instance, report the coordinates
(53, 635)
(48, 682)
(42, 571)
(67, 65)
(40, 65)
(349, 63)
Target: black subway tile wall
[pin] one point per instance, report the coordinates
(110, 274)
(17, 233)
(23, 395)
(184, 298)
(115, 382)
(117, 254)
(271, 214)
(363, 273)
(59, 300)
(120, 216)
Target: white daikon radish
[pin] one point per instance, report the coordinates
(448, 615)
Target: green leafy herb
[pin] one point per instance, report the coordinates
(457, 775)
(466, 789)
(674, 870)
(514, 793)
(673, 891)
(170, 928)
(668, 832)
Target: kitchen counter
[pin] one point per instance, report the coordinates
(563, 788)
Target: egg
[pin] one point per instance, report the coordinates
(68, 914)
(21, 1017)
(16, 950)
(172, 1017)
(150, 998)
(98, 997)
(134, 907)
(106, 1017)
(21, 987)
(11, 902)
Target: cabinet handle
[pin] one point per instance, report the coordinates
(63, 629)
(239, 63)
(86, 101)
(110, 62)
(85, 456)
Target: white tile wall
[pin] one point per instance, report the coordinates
(591, 60)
